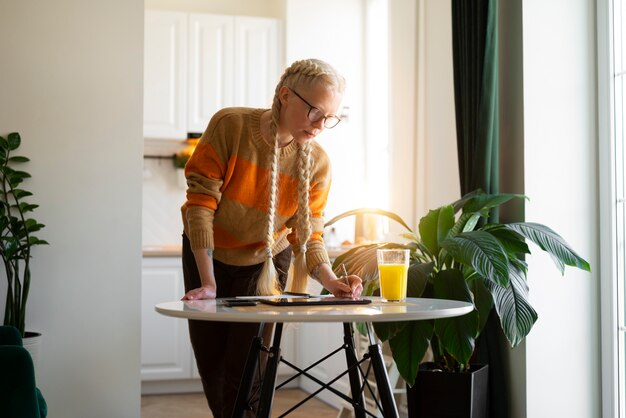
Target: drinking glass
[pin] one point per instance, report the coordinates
(393, 268)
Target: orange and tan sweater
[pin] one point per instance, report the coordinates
(227, 202)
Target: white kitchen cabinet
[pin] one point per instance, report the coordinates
(165, 75)
(167, 359)
(198, 63)
(211, 63)
(165, 346)
(257, 60)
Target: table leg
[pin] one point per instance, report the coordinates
(355, 378)
(380, 374)
(247, 378)
(268, 384)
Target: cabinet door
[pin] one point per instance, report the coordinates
(211, 62)
(165, 346)
(257, 61)
(165, 75)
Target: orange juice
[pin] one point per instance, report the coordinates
(393, 279)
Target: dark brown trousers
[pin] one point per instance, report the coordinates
(221, 348)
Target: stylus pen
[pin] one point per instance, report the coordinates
(345, 274)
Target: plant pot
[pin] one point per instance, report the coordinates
(32, 343)
(438, 394)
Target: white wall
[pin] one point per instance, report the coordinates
(341, 46)
(562, 351)
(436, 157)
(71, 83)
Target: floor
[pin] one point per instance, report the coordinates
(195, 406)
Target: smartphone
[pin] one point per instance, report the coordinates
(306, 295)
(239, 302)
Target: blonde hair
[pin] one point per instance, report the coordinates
(301, 73)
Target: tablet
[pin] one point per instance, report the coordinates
(314, 301)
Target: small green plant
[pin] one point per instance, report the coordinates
(458, 255)
(16, 231)
(181, 158)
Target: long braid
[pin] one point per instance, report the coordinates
(300, 72)
(303, 217)
(267, 283)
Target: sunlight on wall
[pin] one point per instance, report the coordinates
(376, 173)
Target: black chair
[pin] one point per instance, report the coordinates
(19, 395)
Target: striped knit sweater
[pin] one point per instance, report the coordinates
(227, 196)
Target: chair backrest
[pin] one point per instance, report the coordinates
(18, 393)
(10, 335)
(19, 396)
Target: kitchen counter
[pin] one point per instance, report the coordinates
(176, 251)
(162, 250)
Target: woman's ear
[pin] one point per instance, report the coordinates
(283, 94)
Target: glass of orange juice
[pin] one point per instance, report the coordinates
(393, 268)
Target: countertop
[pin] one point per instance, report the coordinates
(176, 251)
(162, 250)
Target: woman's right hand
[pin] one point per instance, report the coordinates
(208, 285)
(204, 292)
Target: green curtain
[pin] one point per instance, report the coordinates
(475, 51)
(475, 56)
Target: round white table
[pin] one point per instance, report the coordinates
(377, 311)
(411, 309)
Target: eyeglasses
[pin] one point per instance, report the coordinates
(315, 115)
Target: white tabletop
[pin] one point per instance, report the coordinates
(377, 311)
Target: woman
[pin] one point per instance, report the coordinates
(257, 187)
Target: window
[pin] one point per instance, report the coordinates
(619, 85)
(612, 164)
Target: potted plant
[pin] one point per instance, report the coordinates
(181, 157)
(16, 231)
(458, 255)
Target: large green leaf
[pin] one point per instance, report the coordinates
(434, 227)
(483, 252)
(456, 335)
(516, 314)
(467, 222)
(386, 330)
(459, 204)
(483, 301)
(483, 203)
(551, 242)
(512, 242)
(417, 278)
(409, 346)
